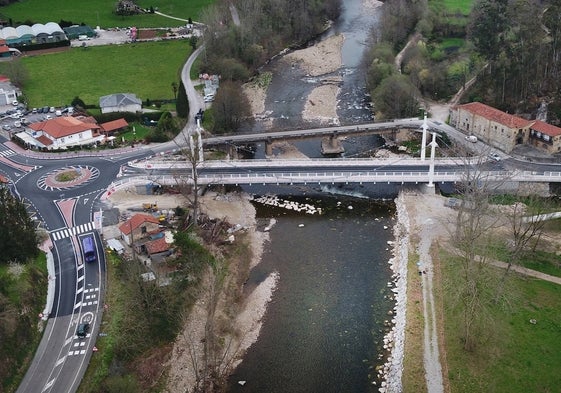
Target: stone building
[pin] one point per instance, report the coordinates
(497, 128)
(545, 137)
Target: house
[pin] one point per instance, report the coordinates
(114, 126)
(157, 248)
(8, 92)
(499, 129)
(60, 133)
(138, 227)
(545, 137)
(120, 102)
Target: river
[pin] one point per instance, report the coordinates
(323, 328)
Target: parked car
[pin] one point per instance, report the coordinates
(495, 157)
(82, 330)
(471, 138)
(6, 127)
(15, 103)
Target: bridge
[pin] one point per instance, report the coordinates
(321, 171)
(333, 133)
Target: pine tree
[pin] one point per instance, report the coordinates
(18, 240)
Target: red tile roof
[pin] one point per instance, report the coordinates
(546, 128)
(114, 125)
(495, 115)
(135, 221)
(62, 126)
(45, 140)
(156, 246)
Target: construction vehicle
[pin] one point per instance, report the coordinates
(150, 207)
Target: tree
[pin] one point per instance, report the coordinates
(488, 23)
(189, 185)
(17, 72)
(526, 223)
(395, 97)
(167, 124)
(174, 89)
(230, 108)
(474, 288)
(182, 103)
(18, 240)
(78, 103)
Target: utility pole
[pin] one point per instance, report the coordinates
(433, 146)
(424, 138)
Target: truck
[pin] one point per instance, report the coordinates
(150, 207)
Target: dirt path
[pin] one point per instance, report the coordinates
(427, 215)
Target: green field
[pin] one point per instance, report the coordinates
(464, 6)
(95, 71)
(516, 356)
(100, 12)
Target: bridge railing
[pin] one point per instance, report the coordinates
(288, 177)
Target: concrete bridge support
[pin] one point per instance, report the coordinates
(332, 145)
(269, 147)
(233, 152)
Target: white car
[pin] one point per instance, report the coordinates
(471, 138)
(209, 98)
(495, 157)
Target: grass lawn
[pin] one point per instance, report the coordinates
(515, 356)
(464, 6)
(92, 72)
(100, 12)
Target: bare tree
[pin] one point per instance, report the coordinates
(474, 288)
(526, 228)
(188, 185)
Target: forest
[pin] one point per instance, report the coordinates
(511, 47)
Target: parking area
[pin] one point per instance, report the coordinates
(13, 119)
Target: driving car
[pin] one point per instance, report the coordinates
(494, 156)
(82, 330)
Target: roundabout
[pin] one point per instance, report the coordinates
(68, 177)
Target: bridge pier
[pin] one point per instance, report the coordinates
(269, 147)
(331, 145)
(233, 151)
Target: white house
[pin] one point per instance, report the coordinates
(8, 93)
(60, 133)
(120, 102)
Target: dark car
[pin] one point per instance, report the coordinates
(46, 109)
(83, 330)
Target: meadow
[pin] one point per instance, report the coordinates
(100, 12)
(518, 352)
(463, 6)
(95, 71)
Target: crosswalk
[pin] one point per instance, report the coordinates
(7, 153)
(74, 231)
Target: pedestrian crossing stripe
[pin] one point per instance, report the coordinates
(67, 232)
(7, 153)
(74, 353)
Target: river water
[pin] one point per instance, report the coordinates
(323, 328)
(290, 87)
